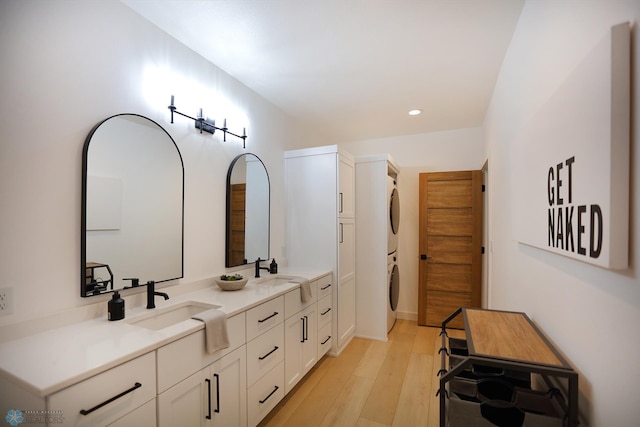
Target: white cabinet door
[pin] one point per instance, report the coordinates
(301, 350)
(310, 345)
(346, 315)
(186, 403)
(346, 187)
(214, 396)
(229, 389)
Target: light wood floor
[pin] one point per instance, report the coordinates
(371, 383)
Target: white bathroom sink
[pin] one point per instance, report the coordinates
(277, 280)
(169, 316)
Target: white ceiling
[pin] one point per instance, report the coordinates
(353, 68)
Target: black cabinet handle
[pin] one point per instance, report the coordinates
(268, 354)
(217, 410)
(341, 203)
(275, 313)
(325, 312)
(106, 402)
(341, 233)
(270, 394)
(306, 328)
(325, 341)
(326, 287)
(209, 397)
(302, 318)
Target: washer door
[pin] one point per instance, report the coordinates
(394, 287)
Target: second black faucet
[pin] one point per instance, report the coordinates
(151, 294)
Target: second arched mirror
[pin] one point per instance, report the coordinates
(248, 194)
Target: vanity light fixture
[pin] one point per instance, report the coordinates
(208, 125)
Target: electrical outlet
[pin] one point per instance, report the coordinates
(6, 301)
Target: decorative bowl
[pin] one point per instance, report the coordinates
(231, 283)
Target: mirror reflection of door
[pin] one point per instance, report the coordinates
(237, 216)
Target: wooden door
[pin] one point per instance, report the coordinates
(450, 271)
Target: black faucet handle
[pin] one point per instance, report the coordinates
(135, 282)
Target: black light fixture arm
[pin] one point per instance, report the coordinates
(208, 125)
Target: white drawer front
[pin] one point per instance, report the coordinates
(120, 381)
(264, 317)
(264, 353)
(325, 286)
(325, 311)
(144, 416)
(293, 303)
(182, 358)
(324, 340)
(265, 394)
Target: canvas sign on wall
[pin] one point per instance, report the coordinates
(572, 184)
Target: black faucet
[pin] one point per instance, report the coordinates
(151, 294)
(258, 268)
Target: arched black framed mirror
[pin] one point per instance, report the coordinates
(248, 204)
(132, 205)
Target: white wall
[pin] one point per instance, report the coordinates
(66, 65)
(591, 314)
(430, 152)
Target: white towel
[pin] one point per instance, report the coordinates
(305, 291)
(216, 336)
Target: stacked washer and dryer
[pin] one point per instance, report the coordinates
(393, 273)
(377, 224)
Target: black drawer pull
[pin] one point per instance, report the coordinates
(275, 313)
(326, 311)
(326, 287)
(325, 341)
(270, 394)
(268, 354)
(106, 402)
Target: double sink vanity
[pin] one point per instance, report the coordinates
(152, 368)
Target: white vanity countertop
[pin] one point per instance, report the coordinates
(47, 362)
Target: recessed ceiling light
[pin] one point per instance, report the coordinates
(414, 112)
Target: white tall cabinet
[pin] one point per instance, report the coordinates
(320, 230)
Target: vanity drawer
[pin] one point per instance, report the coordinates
(265, 394)
(325, 285)
(325, 311)
(134, 382)
(183, 357)
(324, 340)
(264, 317)
(293, 303)
(264, 353)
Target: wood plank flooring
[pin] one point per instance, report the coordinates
(371, 384)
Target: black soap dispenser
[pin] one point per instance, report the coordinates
(116, 307)
(273, 267)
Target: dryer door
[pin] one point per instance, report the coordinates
(394, 211)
